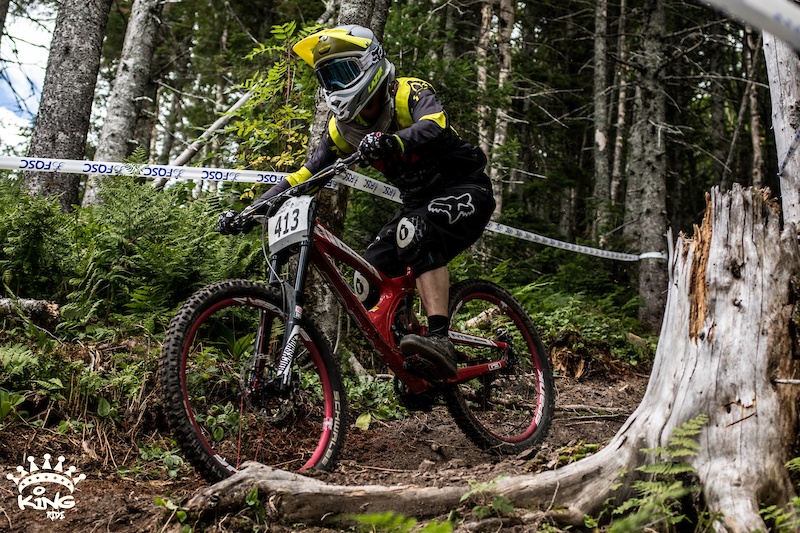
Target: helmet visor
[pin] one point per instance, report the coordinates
(338, 74)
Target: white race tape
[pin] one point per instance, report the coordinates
(349, 178)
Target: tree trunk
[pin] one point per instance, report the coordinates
(181, 59)
(646, 197)
(731, 285)
(130, 83)
(62, 124)
(753, 48)
(3, 13)
(602, 178)
(506, 18)
(622, 106)
(783, 70)
(482, 53)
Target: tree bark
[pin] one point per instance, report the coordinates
(130, 83)
(730, 287)
(783, 71)
(506, 18)
(602, 178)
(753, 48)
(62, 124)
(482, 53)
(41, 311)
(622, 106)
(3, 13)
(646, 196)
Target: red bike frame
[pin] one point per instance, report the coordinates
(377, 322)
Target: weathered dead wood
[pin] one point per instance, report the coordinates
(299, 498)
(724, 340)
(40, 311)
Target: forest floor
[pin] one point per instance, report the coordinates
(423, 449)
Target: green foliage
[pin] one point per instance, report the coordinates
(488, 504)
(273, 125)
(34, 244)
(141, 253)
(660, 500)
(372, 400)
(154, 459)
(391, 522)
(784, 519)
(9, 401)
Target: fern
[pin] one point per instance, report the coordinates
(658, 500)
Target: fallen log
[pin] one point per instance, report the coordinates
(38, 310)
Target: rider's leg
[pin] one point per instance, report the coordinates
(433, 287)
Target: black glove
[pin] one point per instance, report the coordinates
(378, 145)
(226, 223)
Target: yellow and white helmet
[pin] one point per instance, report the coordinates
(350, 65)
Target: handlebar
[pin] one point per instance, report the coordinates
(310, 186)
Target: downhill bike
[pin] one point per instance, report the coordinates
(246, 375)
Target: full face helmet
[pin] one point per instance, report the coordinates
(350, 65)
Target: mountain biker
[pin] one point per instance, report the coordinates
(401, 129)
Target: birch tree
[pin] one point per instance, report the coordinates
(602, 177)
(783, 70)
(62, 124)
(116, 138)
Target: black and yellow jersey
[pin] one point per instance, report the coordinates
(433, 155)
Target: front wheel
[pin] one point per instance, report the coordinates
(509, 408)
(223, 404)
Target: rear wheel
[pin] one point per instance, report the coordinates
(217, 370)
(508, 409)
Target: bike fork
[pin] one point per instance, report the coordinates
(293, 304)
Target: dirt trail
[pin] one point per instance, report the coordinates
(424, 449)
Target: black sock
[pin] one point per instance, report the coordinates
(438, 325)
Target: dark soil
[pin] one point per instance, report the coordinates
(423, 449)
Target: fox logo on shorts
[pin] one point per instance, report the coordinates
(453, 206)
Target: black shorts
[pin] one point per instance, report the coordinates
(428, 235)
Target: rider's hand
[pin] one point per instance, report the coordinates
(226, 223)
(378, 145)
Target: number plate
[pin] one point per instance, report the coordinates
(290, 224)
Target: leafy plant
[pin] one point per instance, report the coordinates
(374, 399)
(659, 501)
(162, 458)
(391, 522)
(9, 401)
(499, 505)
(34, 244)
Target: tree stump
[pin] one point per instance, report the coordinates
(725, 349)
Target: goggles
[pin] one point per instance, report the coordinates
(339, 73)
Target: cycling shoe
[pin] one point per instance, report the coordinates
(432, 357)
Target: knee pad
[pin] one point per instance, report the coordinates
(410, 236)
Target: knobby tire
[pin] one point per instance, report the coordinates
(207, 350)
(509, 410)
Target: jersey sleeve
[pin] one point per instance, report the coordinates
(421, 117)
(331, 147)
